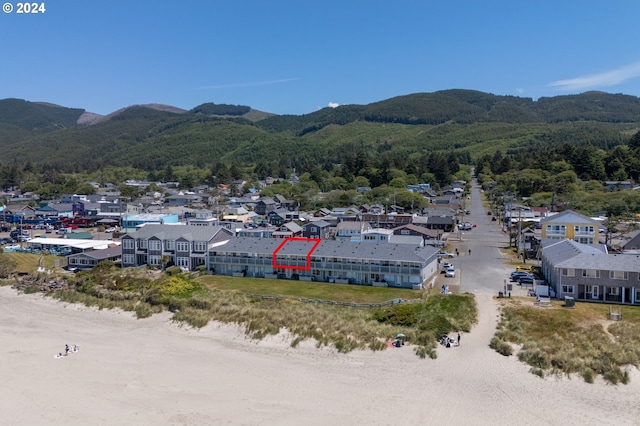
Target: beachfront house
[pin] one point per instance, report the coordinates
(89, 259)
(588, 273)
(186, 246)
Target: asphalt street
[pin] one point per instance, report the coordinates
(483, 270)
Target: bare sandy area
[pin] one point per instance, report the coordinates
(154, 372)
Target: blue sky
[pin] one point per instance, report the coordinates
(294, 57)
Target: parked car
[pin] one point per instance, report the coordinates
(445, 255)
(528, 279)
(447, 265)
(23, 238)
(516, 275)
(110, 230)
(450, 273)
(7, 241)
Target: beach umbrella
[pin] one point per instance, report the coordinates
(400, 335)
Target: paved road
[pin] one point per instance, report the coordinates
(484, 270)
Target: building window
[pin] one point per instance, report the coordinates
(591, 273)
(142, 244)
(199, 246)
(182, 246)
(583, 240)
(618, 275)
(128, 243)
(614, 291)
(568, 272)
(556, 229)
(155, 245)
(128, 259)
(583, 230)
(568, 289)
(170, 245)
(182, 261)
(154, 260)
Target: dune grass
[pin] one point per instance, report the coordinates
(579, 341)
(345, 329)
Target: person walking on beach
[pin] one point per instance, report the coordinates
(458, 339)
(66, 349)
(469, 252)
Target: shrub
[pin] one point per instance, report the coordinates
(143, 310)
(588, 375)
(403, 314)
(501, 346)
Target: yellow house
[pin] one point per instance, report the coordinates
(572, 226)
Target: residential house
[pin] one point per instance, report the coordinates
(257, 232)
(180, 199)
(322, 212)
(186, 246)
(631, 243)
(284, 203)
(342, 261)
(347, 230)
(529, 243)
(264, 206)
(201, 218)
(320, 229)
(375, 235)
(429, 236)
(444, 223)
(276, 218)
(387, 220)
(616, 185)
(236, 214)
(571, 225)
(288, 230)
(88, 259)
(588, 273)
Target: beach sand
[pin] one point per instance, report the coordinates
(154, 372)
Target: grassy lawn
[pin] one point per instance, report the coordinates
(309, 290)
(564, 341)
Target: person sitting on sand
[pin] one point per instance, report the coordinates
(66, 349)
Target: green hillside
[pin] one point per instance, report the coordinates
(468, 123)
(35, 117)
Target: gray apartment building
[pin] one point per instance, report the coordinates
(339, 261)
(186, 246)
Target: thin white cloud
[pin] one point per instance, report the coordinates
(249, 84)
(333, 105)
(605, 79)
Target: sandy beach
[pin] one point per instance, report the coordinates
(153, 371)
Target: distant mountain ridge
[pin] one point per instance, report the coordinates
(153, 136)
(466, 107)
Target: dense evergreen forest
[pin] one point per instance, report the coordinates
(549, 148)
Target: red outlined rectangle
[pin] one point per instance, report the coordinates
(315, 242)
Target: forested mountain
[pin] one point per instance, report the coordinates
(404, 131)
